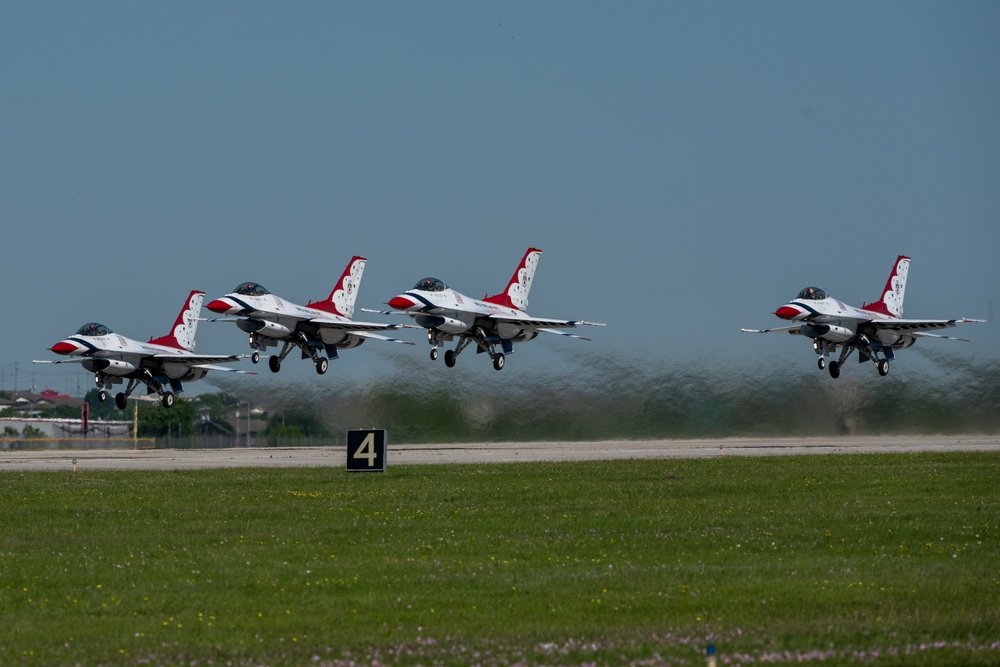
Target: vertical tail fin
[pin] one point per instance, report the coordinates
(891, 302)
(516, 293)
(345, 292)
(182, 333)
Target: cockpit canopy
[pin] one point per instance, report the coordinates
(250, 289)
(93, 329)
(430, 285)
(812, 294)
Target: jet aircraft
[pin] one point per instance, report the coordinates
(876, 330)
(162, 364)
(320, 326)
(495, 321)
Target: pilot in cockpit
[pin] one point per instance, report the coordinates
(93, 329)
(812, 294)
(430, 285)
(251, 289)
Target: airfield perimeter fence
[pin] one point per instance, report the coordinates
(170, 442)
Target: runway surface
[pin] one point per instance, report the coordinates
(336, 457)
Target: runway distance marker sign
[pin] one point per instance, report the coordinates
(366, 450)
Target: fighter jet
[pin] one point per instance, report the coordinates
(162, 364)
(876, 330)
(316, 328)
(494, 323)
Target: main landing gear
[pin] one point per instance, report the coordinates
(321, 363)
(143, 376)
(478, 335)
(835, 366)
(865, 350)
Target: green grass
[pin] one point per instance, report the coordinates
(847, 559)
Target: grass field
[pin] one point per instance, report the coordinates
(836, 559)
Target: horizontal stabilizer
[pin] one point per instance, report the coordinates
(921, 334)
(213, 367)
(562, 333)
(366, 334)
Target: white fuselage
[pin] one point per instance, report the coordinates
(452, 312)
(118, 355)
(834, 320)
(273, 317)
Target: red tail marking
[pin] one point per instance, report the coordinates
(347, 287)
(503, 298)
(890, 289)
(184, 324)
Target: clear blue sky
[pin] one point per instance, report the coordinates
(686, 167)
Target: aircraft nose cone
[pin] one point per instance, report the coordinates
(64, 347)
(219, 306)
(401, 302)
(788, 312)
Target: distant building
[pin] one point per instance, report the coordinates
(13, 427)
(26, 402)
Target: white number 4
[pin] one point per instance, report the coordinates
(366, 450)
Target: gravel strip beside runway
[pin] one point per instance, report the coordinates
(190, 459)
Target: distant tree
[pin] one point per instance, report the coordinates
(10, 432)
(296, 423)
(215, 409)
(156, 421)
(32, 432)
(60, 412)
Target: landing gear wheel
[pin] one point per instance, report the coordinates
(168, 399)
(883, 367)
(255, 357)
(274, 363)
(321, 365)
(102, 395)
(498, 360)
(434, 354)
(821, 362)
(121, 402)
(449, 358)
(834, 369)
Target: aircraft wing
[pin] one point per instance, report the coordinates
(910, 327)
(792, 330)
(918, 327)
(76, 360)
(539, 323)
(351, 326)
(196, 360)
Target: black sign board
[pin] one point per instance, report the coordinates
(366, 449)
